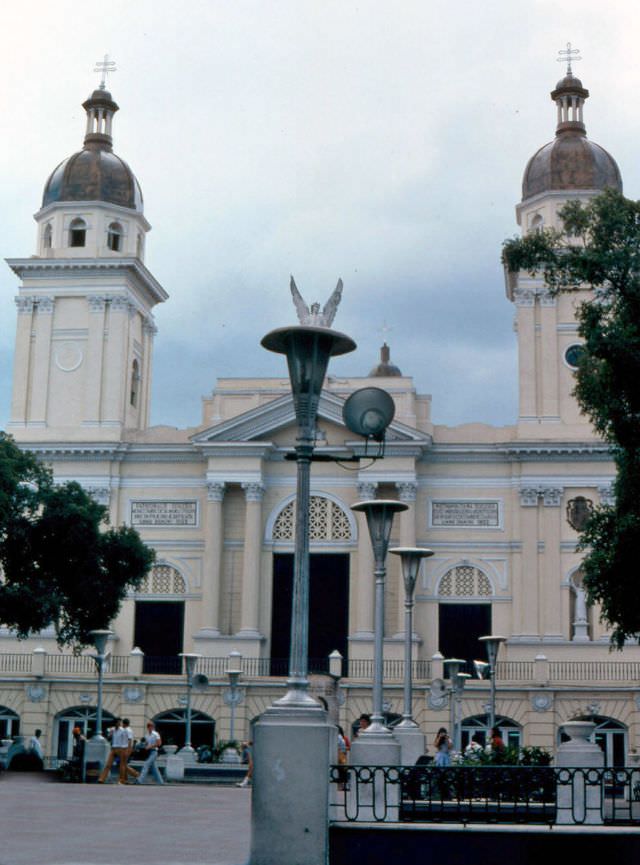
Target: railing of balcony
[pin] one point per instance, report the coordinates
(590, 671)
(15, 663)
(515, 671)
(362, 668)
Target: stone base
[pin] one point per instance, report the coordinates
(412, 743)
(378, 800)
(293, 748)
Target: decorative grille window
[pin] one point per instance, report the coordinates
(163, 580)
(327, 522)
(465, 581)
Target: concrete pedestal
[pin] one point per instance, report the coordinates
(174, 768)
(96, 751)
(412, 743)
(189, 756)
(577, 800)
(377, 799)
(292, 750)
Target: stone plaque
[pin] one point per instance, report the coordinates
(164, 513)
(465, 514)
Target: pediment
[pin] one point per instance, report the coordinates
(269, 421)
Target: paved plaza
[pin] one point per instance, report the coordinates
(46, 822)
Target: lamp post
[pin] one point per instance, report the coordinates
(233, 696)
(190, 661)
(100, 638)
(458, 680)
(410, 558)
(379, 514)
(308, 350)
(492, 644)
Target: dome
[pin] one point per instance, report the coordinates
(570, 161)
(385, 369)
(95, 173)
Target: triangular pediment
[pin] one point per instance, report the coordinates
(266, 421)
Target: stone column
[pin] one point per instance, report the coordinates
(213, 549)
(550, 575)
(22, 360)
(406, 493)
(250, 604)
(365, 585)
(95, 359)
(529, 571)
(525, 307)
(549, 357)
(116, 362)
(43, 325)
(149, 330)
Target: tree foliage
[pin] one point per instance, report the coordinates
(599, 249)
(61, 566)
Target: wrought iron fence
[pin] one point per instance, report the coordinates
(485, 794)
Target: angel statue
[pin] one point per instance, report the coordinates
(312, 315)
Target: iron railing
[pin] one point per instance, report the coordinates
(485, 794)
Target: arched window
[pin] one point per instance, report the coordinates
(327, 522)
(77, 716)
(47, 235)
(140, 246)
(135, 383)
(172, 726)
(78, 232)
(478, 725)
(465, 581)
(464, 613)
(114, 236)
(159, 620)
(9, 723)
(163, 580)
(537, 222)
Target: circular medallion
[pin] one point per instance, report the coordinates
(68, 356)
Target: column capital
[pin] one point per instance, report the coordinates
(102, 495)
(215, 491)
(149, 327)
(118, 302)
(407, 491)
(529, 497)
(551, 496)
(607, 495)
(546, 297)
(45, 305)
(24, 304)
(524, 297)
(367, 490)
(97, 303)
(253, 491)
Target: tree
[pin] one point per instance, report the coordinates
(60, 564)
(599, 249)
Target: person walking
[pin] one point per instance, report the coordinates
(126, 723)
(248, 749)
(152, 742)
(119, 749)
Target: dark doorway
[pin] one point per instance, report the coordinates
(460, 626)
(159, 630)
(328, 609)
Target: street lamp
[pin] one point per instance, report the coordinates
(233, 696)
(308, 350)
(410, 558)
(190, 661)
(100, 638)
(493, 645)
(379, 513)
(458, 680)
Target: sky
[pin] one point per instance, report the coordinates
(380, 143)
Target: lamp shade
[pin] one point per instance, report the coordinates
(368, 412)
(493, 644)
(410, 558)
(308, 350)
(380, 513)
(100, 638)
(453, 667)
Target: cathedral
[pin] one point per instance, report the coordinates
(217, 502)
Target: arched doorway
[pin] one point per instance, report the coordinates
(464, 612)
(610, 735)
(172, 726)
(478, 725)
(9, 723)
(77, 716)
(159, 620)
(329, 527)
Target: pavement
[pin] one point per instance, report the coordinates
(47, 822)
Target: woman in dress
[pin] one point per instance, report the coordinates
(443, 746)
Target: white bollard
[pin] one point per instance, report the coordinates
(579, 801)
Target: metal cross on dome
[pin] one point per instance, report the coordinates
(567, 55)
(105, 67)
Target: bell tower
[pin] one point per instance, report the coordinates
(568, 168)
(85, 323)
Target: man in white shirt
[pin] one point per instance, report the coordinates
(152, 743)
(126, 723)
(120, 749)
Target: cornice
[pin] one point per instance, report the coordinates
(443, 452)
(88, 267)
(73, 206)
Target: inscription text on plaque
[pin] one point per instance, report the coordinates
(184, 513)
(465, 514)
